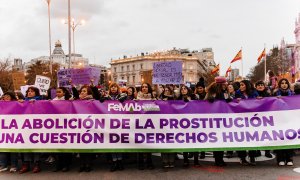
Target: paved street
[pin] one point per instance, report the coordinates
(264, 170)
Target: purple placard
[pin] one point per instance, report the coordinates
(63, 76)
(150, 107)
(167, 72)
(78, 76)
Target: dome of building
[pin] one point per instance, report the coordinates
(58, 49)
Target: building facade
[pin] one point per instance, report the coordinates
(58, 56)
(234, 74)
(134, 70)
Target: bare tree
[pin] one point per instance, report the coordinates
(42, 69)
(5, 75)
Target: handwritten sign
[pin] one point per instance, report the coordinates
(167, 72)
(43, 83)
(78, 76)
(1, 92)
(18, 80)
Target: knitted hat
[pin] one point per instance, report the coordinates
(200, 83)
(220, 80)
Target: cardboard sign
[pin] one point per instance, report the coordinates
(167, 72)
(18, 80)
(42, 83)
(78, 76)
(24, 89)
(1, 92)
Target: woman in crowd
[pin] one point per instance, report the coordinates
(272, 81)
(5, 157)
(231, 91)
(32, 94)
(246, 91)
(63, 160)
(200, 93)
(145, 94)
(187, 95)
(114, 93)
(262, 91)
(168, 158)
(85, 93)
(285, 156)
(200, 89)
(217, 91)
(131, 93)
(167, 94)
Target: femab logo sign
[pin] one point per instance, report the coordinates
(131, 107)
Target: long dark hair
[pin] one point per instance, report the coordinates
(35, 89)
(11, 94)
(149, 89)
(287, 81)
(163, 96)
(88, 88)
(66, 92)
(249, 88)
(189, 93)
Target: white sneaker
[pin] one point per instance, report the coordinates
(48, 159)
(2, 169)
(13, 169)
(281, 163)
(51, 160)
(290, 163)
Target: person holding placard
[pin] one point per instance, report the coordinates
(63, 161)
(167, 158)
(186, 95)
(4, 157)
(32, 94)
(145, 94)
(114, 93)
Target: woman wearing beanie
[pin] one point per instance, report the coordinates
(217, 91)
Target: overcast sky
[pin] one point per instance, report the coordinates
(127, 27)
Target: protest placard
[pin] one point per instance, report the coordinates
(167, 72)
(18, 80)
(24, 89)
(42, 83)
(1, 92)
(63, 77)
(78, 76)
(150, 126)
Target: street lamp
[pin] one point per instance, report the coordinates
(49, 25)
(73, 26)
(69, 31)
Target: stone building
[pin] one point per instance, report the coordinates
(133, 70)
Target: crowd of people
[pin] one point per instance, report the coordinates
(221, 89)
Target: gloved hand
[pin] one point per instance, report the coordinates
(211, 100)
(122, 97)
(102, 100)
(228, 100)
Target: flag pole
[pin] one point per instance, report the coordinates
(242, 62)
(265, 58)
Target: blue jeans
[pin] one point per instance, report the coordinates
(4, 157)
